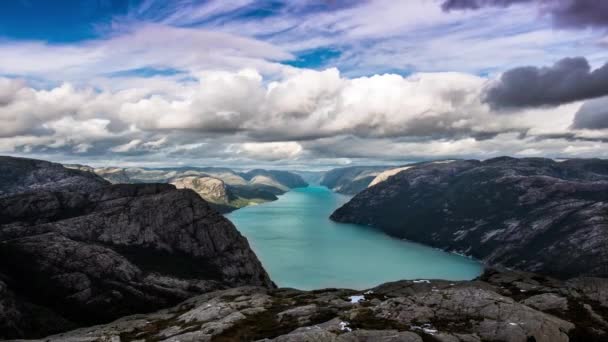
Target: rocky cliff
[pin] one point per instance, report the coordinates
(351, 180)
(209, 188)
(79, 251)
(21, 175)
(532, 214)
(513, 307)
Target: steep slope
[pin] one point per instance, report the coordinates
(514, 307)
(71, 258)
(384, 175)
(351, 180)
(209, 188)
(282, 179)
(533, 214)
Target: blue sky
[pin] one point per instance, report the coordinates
(291, 82)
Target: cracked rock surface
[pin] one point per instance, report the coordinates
(491, 308)
(77, 251)
(532, 214)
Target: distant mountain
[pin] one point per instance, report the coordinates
(311, 177)
(351, 180)
(287, 179)
(76, 250)
(533, 214)
(223, 188)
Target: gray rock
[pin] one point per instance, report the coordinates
(546, 302)
(470, 311)
(531, 214)
(90, 257)
(18, 175)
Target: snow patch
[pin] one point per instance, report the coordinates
(344, 326)
(356, 299)
(421, 281)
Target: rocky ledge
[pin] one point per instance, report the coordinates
(512, 306)
(72, 256)
(532, 214)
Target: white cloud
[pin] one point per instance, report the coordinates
(130, 146)
(304, 115)
(267, 151)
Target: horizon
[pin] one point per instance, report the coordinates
(310, 84)
(273, 167)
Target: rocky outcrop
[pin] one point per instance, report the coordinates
(209, 188)
(532, 214)
(351, 180)
(71, 257)
(386, 175)
(21, 175)
(286, 179)
(512, 306)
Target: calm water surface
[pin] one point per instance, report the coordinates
(301, 248)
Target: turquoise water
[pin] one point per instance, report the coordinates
(301, 248)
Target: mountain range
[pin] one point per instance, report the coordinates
(224, 188)
(151, 262)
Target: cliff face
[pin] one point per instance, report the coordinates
(514, 307)
(209, 188)
(351, 180)
(71, 258)
(532, 214)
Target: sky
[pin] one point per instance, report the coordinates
(302, 84)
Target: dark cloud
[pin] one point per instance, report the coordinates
(592, 115)
(449, 5)
(569, 80)
(564, 13)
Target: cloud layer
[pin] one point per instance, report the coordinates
(305, 117)
(312, 84)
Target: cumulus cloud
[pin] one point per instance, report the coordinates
(305, 115)
(592, 115)
(267, 151)
(565, 13)
(568, 80)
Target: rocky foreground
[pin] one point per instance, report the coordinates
(532, 214)
(508, 306)
(76, 250)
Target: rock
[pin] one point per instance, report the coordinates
(351, 180)
(301, 314)
(18, 175)
(209, 188)
(379, 335)
(467, 311)
(547, 302)
(91, 257)
(387, 174)
(531, 214)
